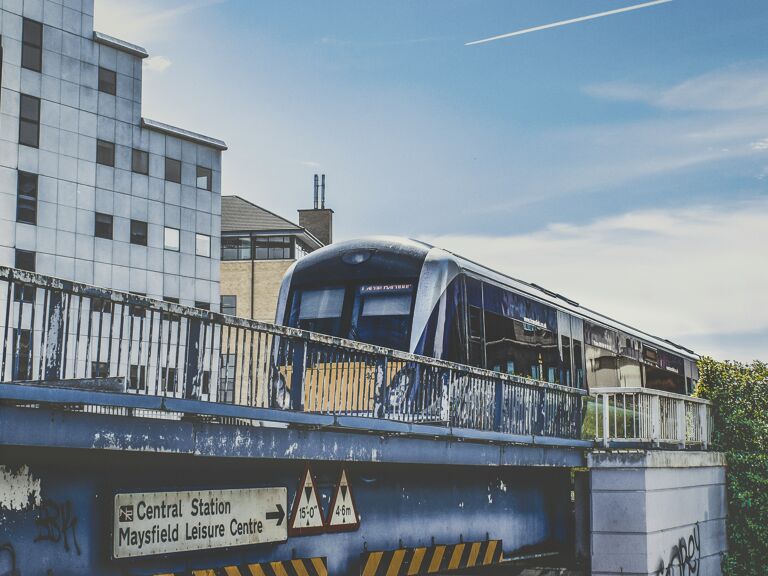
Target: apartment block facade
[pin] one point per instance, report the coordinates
(90, 190)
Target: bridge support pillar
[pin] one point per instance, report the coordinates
(657, 512)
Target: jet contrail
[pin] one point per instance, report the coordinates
(566, 22)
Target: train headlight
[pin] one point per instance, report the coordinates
(354, 257)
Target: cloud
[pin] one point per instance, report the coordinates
(156, 63)
(760, 145)
(142, 20)
(730, 89)
(695, 275)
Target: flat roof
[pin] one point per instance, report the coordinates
(183, 134)
(120, 44)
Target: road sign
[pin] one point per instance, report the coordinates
(151, 523)
(342, 515)
(306, 514)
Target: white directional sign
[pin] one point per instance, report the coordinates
(342, 514)
(306, 515)
(164, 522)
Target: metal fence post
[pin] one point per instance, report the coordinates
(655, 419)
(297, 375)
(498, 404)
(704, 425)
(682, 423)
(606, 421)
(380, 392)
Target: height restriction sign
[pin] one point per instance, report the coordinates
(306, 514)
(342, 515)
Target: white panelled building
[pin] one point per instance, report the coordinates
(89, 189)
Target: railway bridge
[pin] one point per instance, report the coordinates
(140, 437)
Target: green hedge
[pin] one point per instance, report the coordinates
(739, 393)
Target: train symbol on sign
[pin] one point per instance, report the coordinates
(126, 513)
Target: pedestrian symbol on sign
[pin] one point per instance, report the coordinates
(306, 514)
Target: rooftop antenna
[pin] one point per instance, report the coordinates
(322, 193)
(316, 188)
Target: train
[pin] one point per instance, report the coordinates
(408, 295)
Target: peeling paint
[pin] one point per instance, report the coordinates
(291, 449)
(19, 489)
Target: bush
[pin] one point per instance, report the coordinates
(739, 393)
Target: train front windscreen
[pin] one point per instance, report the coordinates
(376, 313)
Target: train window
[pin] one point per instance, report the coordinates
(382, 316)
(320, 310)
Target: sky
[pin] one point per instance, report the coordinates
(622, 161)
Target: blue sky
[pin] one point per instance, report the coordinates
(614, 160)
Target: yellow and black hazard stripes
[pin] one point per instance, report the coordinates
(317, 566)
(431, 559)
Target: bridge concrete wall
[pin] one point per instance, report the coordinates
(56, 503)
(653, 509)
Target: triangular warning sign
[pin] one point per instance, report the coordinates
(306, 514)
(342, 515)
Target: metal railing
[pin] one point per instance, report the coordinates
(55, 330)
(648, 417)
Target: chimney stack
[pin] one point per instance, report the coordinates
(319, 220)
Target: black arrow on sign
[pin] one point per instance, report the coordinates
(279, 515)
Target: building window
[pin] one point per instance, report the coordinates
(25, 260)
(202, 305)
(227, 383)
(168, 379)
(203, 245)
(22, 354)
(29, 121)
(171, 239)
(140, 161)
(173, 170)
(105, 153)
(273, 248)
(138, 377)
(107, 81)
(204, 178)
(138, 232)
(99, 369)
(32, 45)
(138, 310)
(103, 226)
(229, 305)
(26, 198)
(101, 306)
(236, 248)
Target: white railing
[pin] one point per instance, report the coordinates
(625, 416)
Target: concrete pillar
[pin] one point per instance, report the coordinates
(650, 509)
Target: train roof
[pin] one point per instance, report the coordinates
(420, 248)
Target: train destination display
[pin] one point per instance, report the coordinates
(151, 523)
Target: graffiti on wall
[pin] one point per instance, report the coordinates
(56, 522)
(685, 556)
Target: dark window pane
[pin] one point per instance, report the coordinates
(173, 170)
(29, 121)
(103, 226)
(138, 232)
(204, 178)
(22, 355)
(229, 305)
(138, 377)
(105, 153)
(167, 315)
(26, 198)
(202, 305)
(101, 306)
(25, 260)
(107, 81)
(137, 309)
(99, 369)
(140, 161)
(169, 379)
(31, 45)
